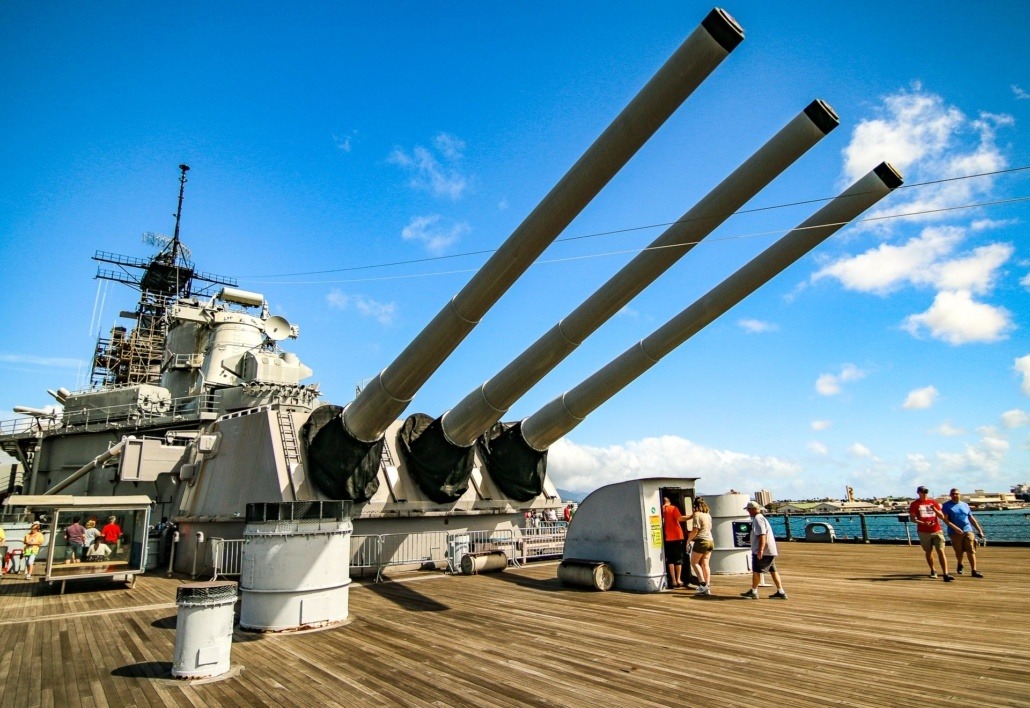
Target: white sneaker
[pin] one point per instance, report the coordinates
(701, 590)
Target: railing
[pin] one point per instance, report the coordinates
(227, 556)
(544, 541)
(15, 426)
(429, 548)
(1011, 526)
(139, 412)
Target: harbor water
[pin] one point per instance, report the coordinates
(1007, 526)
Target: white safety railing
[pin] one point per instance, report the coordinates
(461, 542)
(544, 541)
(436, 548)
(227, 556)
(366, 554)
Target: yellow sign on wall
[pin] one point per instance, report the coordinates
(656, 531)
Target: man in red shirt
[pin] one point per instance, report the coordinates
(112, 531)
(927, 515)
(672, 529)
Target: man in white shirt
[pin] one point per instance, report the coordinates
(763, 554)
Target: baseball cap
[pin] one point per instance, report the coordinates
(753, 505)
(922, 489)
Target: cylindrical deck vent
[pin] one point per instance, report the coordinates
(296, 565)
(586, 574)
(730, 532)
(473, 563)
(203, 630)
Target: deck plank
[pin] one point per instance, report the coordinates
(863, 623)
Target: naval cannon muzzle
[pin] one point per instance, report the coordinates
(440, 452)
(342, 443)
(516, 455)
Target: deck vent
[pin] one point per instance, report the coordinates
(203, 630)
(296, 565)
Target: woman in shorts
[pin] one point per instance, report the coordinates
(703, 546)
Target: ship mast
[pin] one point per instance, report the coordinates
(178, 212)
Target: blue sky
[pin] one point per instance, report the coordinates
(329, 136)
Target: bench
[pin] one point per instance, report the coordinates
(89, 569)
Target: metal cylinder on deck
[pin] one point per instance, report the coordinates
(491, 562)
(731, 554)
(296, 565)
(586, 574)
(203, 629)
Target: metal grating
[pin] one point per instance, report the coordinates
(336, 510)
(200, 593)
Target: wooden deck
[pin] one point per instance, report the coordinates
(864, 626)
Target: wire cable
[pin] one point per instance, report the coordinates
(613, 232)
(736, 237)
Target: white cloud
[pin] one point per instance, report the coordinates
(450, 146)
(859, 450)
(384, 313)
(955, 318)
(503, 204)
(344, 142)
(948, 430)
(432, 233)
(927, 140)
(830, 384)
(921, 261)
(45, 361)
(917, 465)
(1015, 418)
(920, 398)
(982, 459)
(757, 326)
(1023, 367)
(584, 468)
(627, 311)
(436, 173)
(818, 425)
(817, 448)
(1025, 281)
(1019, 93)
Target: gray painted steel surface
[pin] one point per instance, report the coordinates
(386, 397)
(621, 525)
(726, 510)
(295, 574)
(564, 413)
(203, 629)
(485, 406)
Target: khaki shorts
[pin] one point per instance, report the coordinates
(931, 540)
(703, 545)
(964, 542)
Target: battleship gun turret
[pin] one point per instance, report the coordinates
(344, 444)
(516, 455)
(439, 453)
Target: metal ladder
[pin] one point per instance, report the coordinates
(291, 448)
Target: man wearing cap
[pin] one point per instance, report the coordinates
(927, 515)
(959, 513)
(763, 554)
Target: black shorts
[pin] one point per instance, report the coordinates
(765, 564)
(674, 552)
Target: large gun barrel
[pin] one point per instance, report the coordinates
(485, 405)
(564, 413)
(386, 397)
